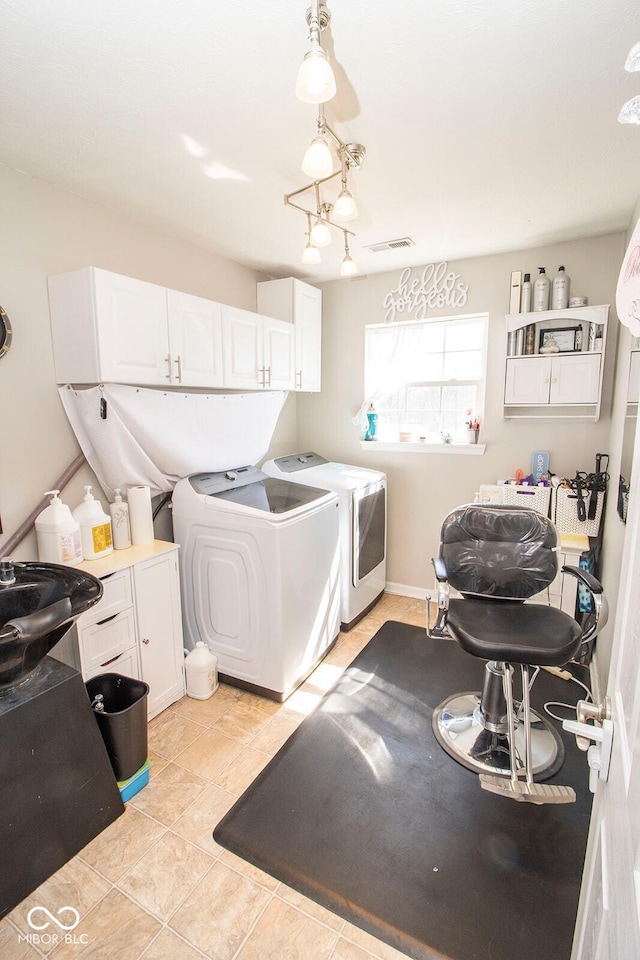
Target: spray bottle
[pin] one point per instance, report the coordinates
(119, 511)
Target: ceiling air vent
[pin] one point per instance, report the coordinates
(391, 245)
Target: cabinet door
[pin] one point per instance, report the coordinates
(241, 349)
(278, 354)
(195, 335)
(157, 595)
(575, 379)
(307, 307)
(527, 380)
(133, 338)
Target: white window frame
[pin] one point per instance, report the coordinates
(479, 382)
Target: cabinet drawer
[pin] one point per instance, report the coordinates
(126, 664)
(117, 596)
(101, 642)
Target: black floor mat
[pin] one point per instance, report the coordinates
(363, 812)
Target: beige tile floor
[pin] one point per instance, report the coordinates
(156, 886)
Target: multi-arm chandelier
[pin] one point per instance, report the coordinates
(316, 84)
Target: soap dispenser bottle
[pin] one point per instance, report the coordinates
(372, 420)
(120, 527)
(95, 527)
(57, 533)
(541, 291)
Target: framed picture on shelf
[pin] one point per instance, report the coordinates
(559, 339)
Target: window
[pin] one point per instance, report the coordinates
(426, 378)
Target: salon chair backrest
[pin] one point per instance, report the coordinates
(498, 552)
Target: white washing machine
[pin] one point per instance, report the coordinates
(259, 575)
(363, 525)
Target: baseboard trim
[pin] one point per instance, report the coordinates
(402, 590)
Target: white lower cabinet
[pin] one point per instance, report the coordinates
(553, 380)
(136, 628)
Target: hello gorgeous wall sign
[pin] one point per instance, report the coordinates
(435, 288)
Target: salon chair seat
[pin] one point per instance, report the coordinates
(497, 557)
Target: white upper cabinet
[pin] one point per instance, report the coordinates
(300, 304)
(195, 340)
(114, 329)
(258, 352)
(108, 327)
(555, 363)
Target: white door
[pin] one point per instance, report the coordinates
(132, 329)
(195, 336)
(278, 354)
(157, 594)
(527, 380)
(242, 349)
(307, 310)
(608, 926)
(575, 379)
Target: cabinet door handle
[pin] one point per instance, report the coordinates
(268, 377)
(546, 380)
(299, 380)
(554, 380)
(146, 641)
(262, 374)
(99, 623)
(168, 362)
(178, 362)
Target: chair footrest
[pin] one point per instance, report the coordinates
(530, 793)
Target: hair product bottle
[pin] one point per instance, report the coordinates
(560, 295)
(541, 291)
(525, 302)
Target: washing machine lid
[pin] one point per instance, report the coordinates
(312, 468)
(250, 487)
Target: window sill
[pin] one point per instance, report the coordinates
(390, 446)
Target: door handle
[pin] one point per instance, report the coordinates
(168, 362)
(268, 377)
(178, 362)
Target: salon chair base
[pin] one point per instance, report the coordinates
(459, 729)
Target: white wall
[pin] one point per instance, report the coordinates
(45, 230)
(424, 486)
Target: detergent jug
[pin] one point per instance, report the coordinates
(201, 668)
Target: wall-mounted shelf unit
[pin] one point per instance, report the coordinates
(567, 383)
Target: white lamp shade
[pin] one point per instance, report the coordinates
(348, 267)
(345, 207)
(320, 234)
(317, 162)
(630, 112)
(311, 254)
(633, 60)
(316, 82)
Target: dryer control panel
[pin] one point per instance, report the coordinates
(299, 461)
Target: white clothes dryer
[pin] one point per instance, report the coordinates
(259, 575)
(362, 494)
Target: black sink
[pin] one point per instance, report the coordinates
(36, 610)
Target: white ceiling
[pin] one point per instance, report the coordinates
(490, 125)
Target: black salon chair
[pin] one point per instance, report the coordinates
(497, 557)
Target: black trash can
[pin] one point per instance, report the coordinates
(122, 720)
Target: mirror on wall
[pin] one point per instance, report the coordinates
(633, 394)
